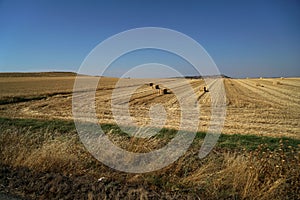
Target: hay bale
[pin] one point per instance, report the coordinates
(151, 84)
(258, 84)
(205, 89)
(156, 87)
(282, 78)
(164, 91)
(276, 83)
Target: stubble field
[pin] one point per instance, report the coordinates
(269, 107)
(257, 155)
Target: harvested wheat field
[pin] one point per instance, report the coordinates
(267, 109)
(257, 156)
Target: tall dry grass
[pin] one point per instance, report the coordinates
(224, 174)
(261, 174)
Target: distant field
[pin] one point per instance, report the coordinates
(37, 74)
(269, 107)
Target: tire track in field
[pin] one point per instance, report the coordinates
(240, 96)
(264, 122)
(292, 82)
(293, 93)
(280, 92)
(275, 98)
(204, 98)
(169, 101)
(181, 88)
(122, 97)
(138, 104)
(265, 117)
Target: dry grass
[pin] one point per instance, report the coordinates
(258, 85)
(254, 106)
(265, 109)
(261, 173)
(277, 83)
(42, 151)
(271, 110)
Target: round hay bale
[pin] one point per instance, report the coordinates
(150, 84)
(205, 89)
(157, 87)
(162, 91)
(276, 83)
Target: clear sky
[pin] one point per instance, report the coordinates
(245, 38)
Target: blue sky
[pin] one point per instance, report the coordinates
(244, 38)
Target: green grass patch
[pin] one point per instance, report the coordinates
(235, 142)
(36, 124)
(251, 142)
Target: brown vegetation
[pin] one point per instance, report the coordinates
(51, 162)
(269, 110)
(277, 83)
(42, 162)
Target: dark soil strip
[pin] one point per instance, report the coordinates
(42, 185)
(21, 99)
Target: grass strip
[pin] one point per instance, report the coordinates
(234, 142)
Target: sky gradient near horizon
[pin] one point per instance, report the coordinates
(244, 38)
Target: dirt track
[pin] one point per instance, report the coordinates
(254, 106)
